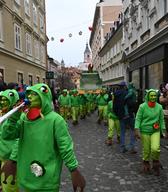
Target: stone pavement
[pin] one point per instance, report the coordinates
(105, 168)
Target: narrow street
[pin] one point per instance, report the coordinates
(105, 168)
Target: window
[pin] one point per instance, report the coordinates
(17, 34)
(36, 49)
(35, 14)
(42, 53)
(30, 80)
(20, 78)
(41, 17)
(28, 44)
(1, 26)
(27, 7)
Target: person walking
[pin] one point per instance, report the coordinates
(149, 124)
(126, 120)
(113, 123)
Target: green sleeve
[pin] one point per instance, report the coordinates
(13, 155)
(11, 128)
(65, 144)
(138, 118)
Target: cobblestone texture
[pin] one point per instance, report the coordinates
(105, 168)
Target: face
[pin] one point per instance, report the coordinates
(4, 103)
(152, 96)
(34, 99)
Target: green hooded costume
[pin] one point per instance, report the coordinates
(8, 149)
(44, 143)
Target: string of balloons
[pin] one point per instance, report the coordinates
(90, 28)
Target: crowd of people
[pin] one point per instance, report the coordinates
(34, 142)
(119, 110)
(37, 127)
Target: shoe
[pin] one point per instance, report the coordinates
(124, 150)
(133, 151)
(108, 142)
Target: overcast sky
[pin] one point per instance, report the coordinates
(64, 17)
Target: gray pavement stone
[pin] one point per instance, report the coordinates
(105, 168)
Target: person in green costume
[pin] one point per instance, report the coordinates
(44, 144)
(64, 101)
(150, 122)
(8, 149)
(113, 123)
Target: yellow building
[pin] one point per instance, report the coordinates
(23, 41)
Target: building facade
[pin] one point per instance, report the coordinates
(23, 41)
(106, 12)
(111, 54)
(146, 42)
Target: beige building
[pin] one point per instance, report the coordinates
(106, 13)
(23, 50)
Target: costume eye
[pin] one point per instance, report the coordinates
(11, 94)
(44, 89)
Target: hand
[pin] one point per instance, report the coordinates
(9, 168)
(78, 181)
(137, 134)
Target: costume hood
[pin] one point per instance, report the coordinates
(147, 94)
(45, 95)
(12, 95)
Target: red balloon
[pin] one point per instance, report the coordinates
(90, 28)
(61, 40)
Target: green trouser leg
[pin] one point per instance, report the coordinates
(75, 111)
(151, 146)
(113, 124)
(100, 108)
(105, 113)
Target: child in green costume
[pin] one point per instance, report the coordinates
(44, 144)
(150, 122)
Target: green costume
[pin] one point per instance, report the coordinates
(64, 104)
(75, 105)
(44, 143)
(8, 149)
(150, 121)
(102, 101)
(113, 124)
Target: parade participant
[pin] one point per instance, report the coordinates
(8, 149)
(150, 122)
(113, 123)
(125, 120)
(102, 101)
(75, 103)
(64, 102)
(44, 144)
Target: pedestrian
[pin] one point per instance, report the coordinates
(126, 120)
(149, 123)
(44, 144)
(113, 122)
(8, 149)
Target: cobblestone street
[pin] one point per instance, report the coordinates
(105, 168)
